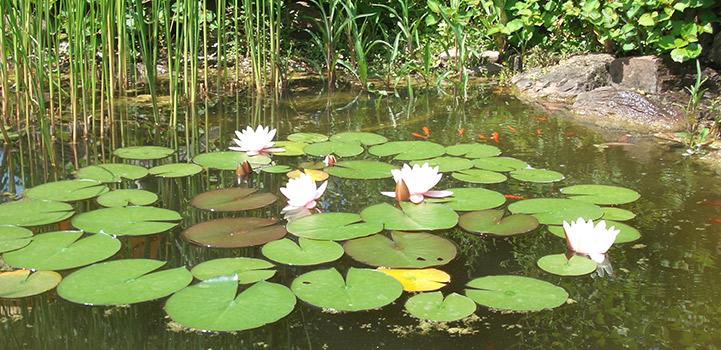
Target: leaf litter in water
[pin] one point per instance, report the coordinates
(234, 232)
(232, 199)
(419, 280)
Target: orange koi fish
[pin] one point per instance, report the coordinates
(512, 128)
(483, 137)
(623, 138)
(538, 131)
(460, 132)
(570, 134)
(510, 196)
(710, 204)
(419, 135)
(715, 221)
(542, 119)
(495, 137)
(426, 131)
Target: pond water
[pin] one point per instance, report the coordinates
(663, 294)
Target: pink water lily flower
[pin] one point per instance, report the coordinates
(258, 142)
(302, 193)
(419, 180)
(586, 239)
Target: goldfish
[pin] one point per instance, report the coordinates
(483, 137)
(460, 132)
(419, 135)
(538, 131)
(542, 119)
(510, 196)
(512, 128)
(570, 134)
(426, 131)
(495, 137)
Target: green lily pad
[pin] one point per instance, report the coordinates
(34, 213)
(601, 194)
(626, 234)
(405, 250)
(248, 270)
(362, 289)
(537, 175)
(291, 148)
(469, 199)
(127, 221)
(479, 176)
(20, 283)
(362, 138)
(312, 165)
(62, 250)
(412, 217)
(617, 214)
(175, 170)
(214, 305)
(234, 232)
(408, 150)
(232, 199)
(446, 164)
(361, 169)
(143, 152)
(473, 150)
(113, 172)
(500, 164)
(14, 237)
(276, 169)
(493, 222)
(228, 160)
(67, 191)
(341, 149)
(558, 264)
(307, 137)
(124, 198)
(553, 211)
(305, 252)
(120, 282)
(333, 226)
(515, 293)
(433, 307)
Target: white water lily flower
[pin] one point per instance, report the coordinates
(584, 238)
(419, 180)
(255, 142)
(302, 193)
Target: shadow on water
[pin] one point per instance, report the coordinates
(662, 296)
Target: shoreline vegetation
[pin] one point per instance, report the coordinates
(64, 64)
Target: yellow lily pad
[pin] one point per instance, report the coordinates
(419, 280)
(316, 175)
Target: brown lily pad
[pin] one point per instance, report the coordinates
(234, 232)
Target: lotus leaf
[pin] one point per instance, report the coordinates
(20, 283)
(14, 237)
(405, 250)
(446, 164)
(493, 222)
(291, 148)
(248, 270)
(469, 199)
(175, 170)
(234, 232)
(305, 252)
(617, 214)
(626, 234)
(515, 293)
(228, 160)
(537, 175)
(433, 307)
(307, 137)
(558, 264)
(601, 194)
(411, 217)
(500, 164)
(363, 138)
(316, 175)
(333, 226)
(127, 221)
(479, 176)
(361, 169)
(67, 191)
(341, 149)
(473, 150)
(232, 199)
(276, 169)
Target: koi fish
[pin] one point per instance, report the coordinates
(715, 221)
(538, 131)
(495, 137)
(570, 134)
(710, 204)
(510, 196)
(483, 137)
(512, 128)
(623, 138)
(419, 135)
(542, 119)
(426, 131)
(460, 132)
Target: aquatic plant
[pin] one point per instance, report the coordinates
(418, 180)
(302, 193)
(586, 239)
(258, 142)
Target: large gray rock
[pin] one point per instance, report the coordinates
(627, 109)
(567, 79)
(646, 73)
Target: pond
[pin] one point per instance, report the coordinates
(662, 293)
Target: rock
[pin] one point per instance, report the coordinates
(491, 56)
(646, 73)
(714, 56)
(567, 79)
(615, 108)
(449, 55)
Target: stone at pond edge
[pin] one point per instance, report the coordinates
(567, 79)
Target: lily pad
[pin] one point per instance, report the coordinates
(362, 138)
(601, 194)
(276, 169)
(120, 282)
(341, 149)
(617, 214)
(20, 283)
(405, 250)
(558, 264)
(248, 270)
(113, 172)
(307, 137)
(412, 217)
(291, 148)
(124, 198)
(234, 232)
(14, 237)
(408, 150)
(312, 165)
(228, 160)
(537, 175)
(419, 280)
(626, 234)
(433, 307)
(469, 199)
(34, 213)
(305, 252)
(67, 191)
(62, 250)
(493, 222)
(232, 199)
(473, 150)
(362, 289)
(214, 305)
(553, 211)
(316, 175)
(361, 169)
(127, 221)
(446, 164)
(479, 176)
(515, 293)
(143, 152)
(175, 170)
(333, 226)
(500, 164)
